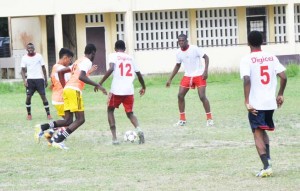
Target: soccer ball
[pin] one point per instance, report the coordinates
(130, 136)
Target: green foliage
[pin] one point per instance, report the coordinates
(292, 70)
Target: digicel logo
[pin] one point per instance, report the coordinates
(261, 60)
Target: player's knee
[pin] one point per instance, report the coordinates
(180, 96)
(129, 114)
(202, 98)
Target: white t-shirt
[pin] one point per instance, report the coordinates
(262, 68)
(124, 73)
(191, 59)
(34, 66)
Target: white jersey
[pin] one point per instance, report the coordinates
(34, 66)
(262, 68)
(124, 73)
(192, 60)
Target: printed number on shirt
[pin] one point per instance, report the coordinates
(127, 69)
(264, 74)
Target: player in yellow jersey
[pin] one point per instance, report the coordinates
(72, 94)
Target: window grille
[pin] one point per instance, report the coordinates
(120, 23)
(94, 18)
(297, 22)
(159, 29)
(280, 24)
(216, 27)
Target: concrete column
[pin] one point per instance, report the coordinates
(290, 30)
(58, 33)
(129, 38)
(193, 28)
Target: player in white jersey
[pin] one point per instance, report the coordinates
(194, 77)
(259, 71)
(124, 69)
(36, 79)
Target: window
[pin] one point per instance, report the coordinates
(120, 26)
(257, 20)
(4, 38)
(216, 27)
(159, 29)
(280, 24)
(297, 22)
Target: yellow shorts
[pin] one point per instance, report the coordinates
(72, 100)
(60, 110)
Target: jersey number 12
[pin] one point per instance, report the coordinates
(127, 68)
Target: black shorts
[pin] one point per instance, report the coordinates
(263, 120)
(35, 85)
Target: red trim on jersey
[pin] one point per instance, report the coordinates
(257, 50)
(184, 49)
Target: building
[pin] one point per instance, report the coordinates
(149, 28)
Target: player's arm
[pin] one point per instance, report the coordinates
(61, 75)
(23, 74)
(45, 75)
(283, 81)
(206, 61)
(247, 86)
(175, 71)
(107, 74)
(142, 82)
(83, 77)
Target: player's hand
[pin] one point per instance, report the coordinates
(204, 75)
(93, 68)
(25, 83)
(251, 109)
(142, 91)
(279, 100)
(99, 87)
(168, 84)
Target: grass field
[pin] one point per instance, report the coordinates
(194, 157)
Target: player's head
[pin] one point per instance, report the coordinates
(182, 41)
(30, 48)
(65, 55)
(255, 39)
(90, 51)
(120, 45)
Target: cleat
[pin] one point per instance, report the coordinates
(29, 117)
(49, 117)
(48, 137)
(60, 145)
(38, 133)
(141, 137)
(210, 123)
(115, 142)
(180, 123)
(265, 172)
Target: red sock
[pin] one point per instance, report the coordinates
(208, 116)
(182, 116)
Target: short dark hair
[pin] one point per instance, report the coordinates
(255, 38)
(120, 45)
(182, 36)
(65, 52)
(30, 43)
(89, 48)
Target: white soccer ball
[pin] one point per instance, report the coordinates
(130, 136)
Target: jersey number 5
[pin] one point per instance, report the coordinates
(264, 74)
(127, 68)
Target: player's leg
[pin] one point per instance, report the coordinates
(206, 105)
(259, 138)
(267, 145)
(30, 89)
(181, 105)
(112, 124)
(40, 85)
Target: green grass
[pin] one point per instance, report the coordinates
(190, 158)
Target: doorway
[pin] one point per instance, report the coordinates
(96, 36)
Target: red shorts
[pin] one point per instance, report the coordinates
(192, 82)
(115, 101)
